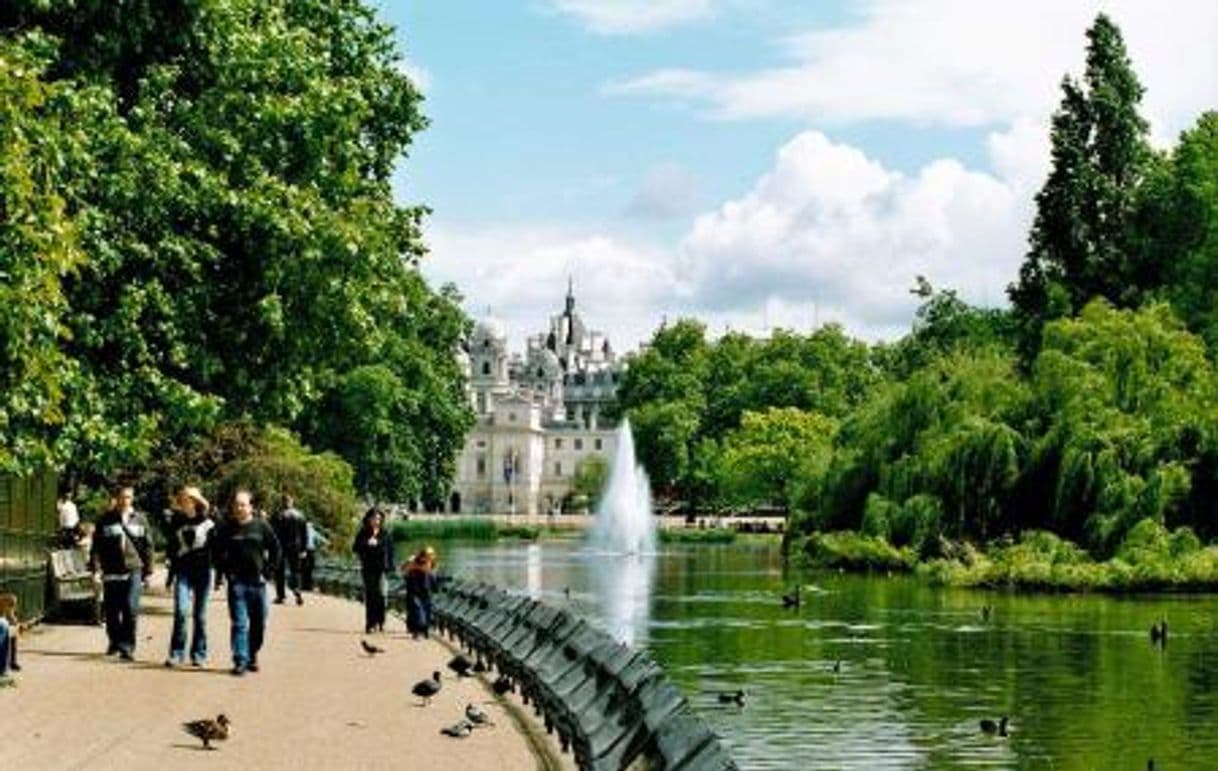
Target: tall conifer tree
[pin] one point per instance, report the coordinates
(1080, 245)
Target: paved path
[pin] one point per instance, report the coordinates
(318, 701)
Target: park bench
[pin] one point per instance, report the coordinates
(72, 583)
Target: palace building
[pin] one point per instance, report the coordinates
(540, 415)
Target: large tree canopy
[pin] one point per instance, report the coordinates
(238, 249)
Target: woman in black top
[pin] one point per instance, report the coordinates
(189, 548)
(374, 548)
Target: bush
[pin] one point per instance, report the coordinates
(854, 551)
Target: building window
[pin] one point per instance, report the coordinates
(486, 368)
(481, 465)
(511, 417)
(481, 443)
(558, 444)
(481, 403)
(579, 444)
(558, 469)
(599, 444)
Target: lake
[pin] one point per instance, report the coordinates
(919, 666)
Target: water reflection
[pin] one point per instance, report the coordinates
(622, 587)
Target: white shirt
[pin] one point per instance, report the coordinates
(69, 517)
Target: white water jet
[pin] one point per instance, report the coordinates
(624, 524)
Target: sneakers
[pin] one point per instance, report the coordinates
(299, 599)
(198, 663)
(253, 666)
(238, 670)
(278, 600)
(126, 655)
(171, 663)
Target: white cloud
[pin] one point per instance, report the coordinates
(829, 229)
(632, 17)
(827, 234)
(668, 191)
(960, 63)
(521, 274)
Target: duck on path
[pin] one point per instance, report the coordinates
(425, 689)
(208, 730)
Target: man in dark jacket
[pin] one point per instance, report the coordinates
(247, 551)
(292, 531)
(190, 539)
(122, 553)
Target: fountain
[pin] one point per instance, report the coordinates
(621, 548)
(624, 524)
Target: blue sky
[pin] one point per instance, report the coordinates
(752, 162)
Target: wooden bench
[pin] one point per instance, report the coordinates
(72, 582)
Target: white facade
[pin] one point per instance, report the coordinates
(540, 416)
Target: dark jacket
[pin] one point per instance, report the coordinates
(247, 553)
(291, 530)
(120, 549)
(190, 543)
(374, 559)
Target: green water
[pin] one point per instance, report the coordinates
(920, 666)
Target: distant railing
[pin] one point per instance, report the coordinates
(610, 704)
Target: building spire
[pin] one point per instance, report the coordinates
(570, 294)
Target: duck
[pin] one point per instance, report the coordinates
(1158, 633)
(427, 688)
(477, 716)
(791, 600)
(458, 730)
(461, 665)
(837, 666)
(990, 727)
(369, 648)
(208, 730)
(986, 610)
(731, 697)
(501, 685)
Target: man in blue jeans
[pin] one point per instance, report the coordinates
(247, 551)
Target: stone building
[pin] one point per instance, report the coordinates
(540, 415)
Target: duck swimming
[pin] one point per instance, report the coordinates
(990, 727)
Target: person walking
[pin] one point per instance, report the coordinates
(314, 540)
(189, 549)
(291, 530)
(420, 583)
(246, 552)
(374, 548)
(122, 553)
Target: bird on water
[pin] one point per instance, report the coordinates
(990, 727)
(731, 697)
(1158, 633)
(791, 600)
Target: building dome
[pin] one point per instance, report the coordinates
(543, 364)
(489, 328)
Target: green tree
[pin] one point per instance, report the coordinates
(1082, 235)
(590, 477)
(762, 459)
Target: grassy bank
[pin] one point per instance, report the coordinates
(1151, 558)
(717, 535)
(462, 529)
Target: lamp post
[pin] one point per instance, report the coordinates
(511, 470)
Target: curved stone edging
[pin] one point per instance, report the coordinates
(609, 703)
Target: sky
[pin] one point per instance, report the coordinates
(753, 163)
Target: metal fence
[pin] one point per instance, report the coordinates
(610, 704)
(27, 525)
